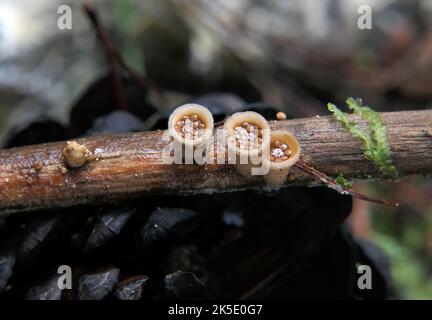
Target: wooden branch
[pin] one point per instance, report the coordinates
(130, 165)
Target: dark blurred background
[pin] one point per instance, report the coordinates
(295, 55)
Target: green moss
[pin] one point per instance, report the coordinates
(374, 143)
(411, 278)
(344, 183)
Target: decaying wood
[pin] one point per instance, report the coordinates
(130, 165)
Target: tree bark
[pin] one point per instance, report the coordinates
(130, 165)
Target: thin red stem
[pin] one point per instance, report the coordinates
(115, 54)
(333, 184)
(116, 81)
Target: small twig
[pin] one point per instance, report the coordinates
(116, 81)
(334, 185)
(116, 55)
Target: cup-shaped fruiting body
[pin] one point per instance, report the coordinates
(191, 124)
(248, 138)
(284, 153)
(75, 154)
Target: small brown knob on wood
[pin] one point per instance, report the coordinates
(75, 154)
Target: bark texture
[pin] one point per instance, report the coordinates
(130, 165)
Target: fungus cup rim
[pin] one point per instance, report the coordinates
(191, 108)
(291, 141)
(254, 118)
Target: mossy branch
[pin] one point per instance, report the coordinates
(128, 166)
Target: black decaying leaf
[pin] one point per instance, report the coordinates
(38, 131)
(36, 237)
(49, 290)
(7, 261)
(185, 257)
(116, 122)
(107, 227)
(183, 285)
(267, 110)
(167, 221)
(132, 288)
(371, 255)
(221, 104)
(97, 286)
(97, 101)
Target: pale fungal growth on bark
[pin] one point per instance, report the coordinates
(284, 153)
(248, 137)
(281, 116)
(75, 154)
(191, 124)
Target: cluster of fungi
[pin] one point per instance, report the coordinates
(246, 132)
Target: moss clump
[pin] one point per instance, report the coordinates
(374, 143)
(344, 183)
